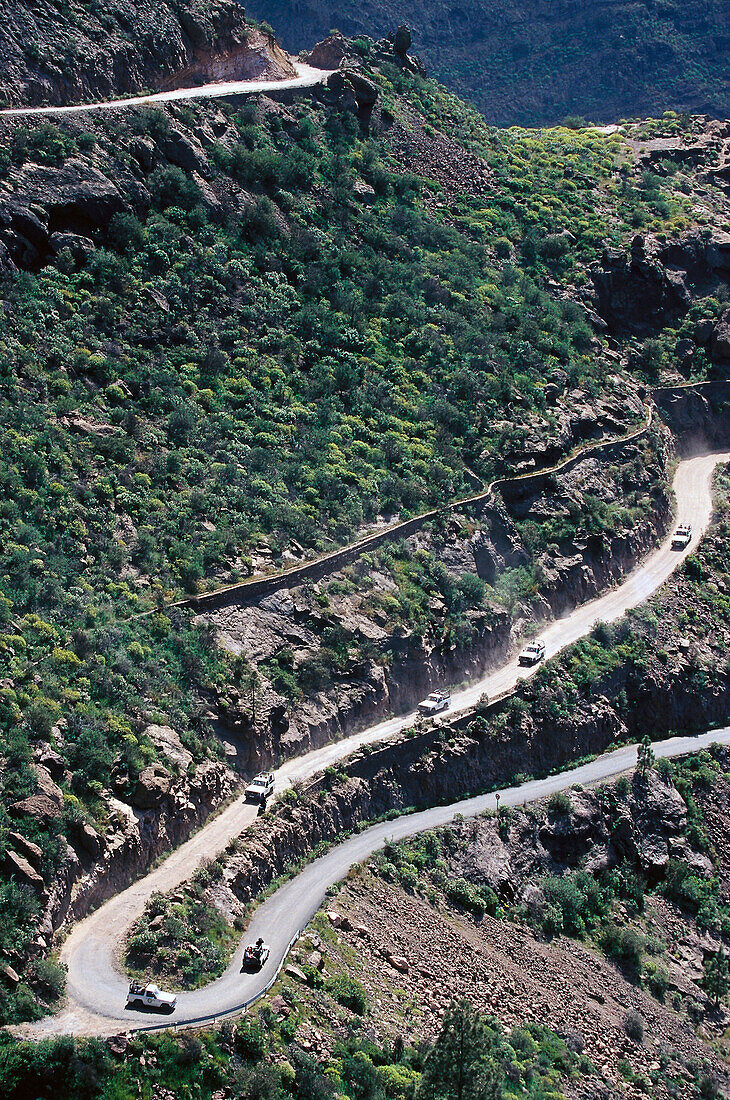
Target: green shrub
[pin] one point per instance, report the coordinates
(624, 946)
(634, 1026)
(559, 804)
(348, 992)
(250, 1039)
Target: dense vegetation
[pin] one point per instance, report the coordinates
(248, 361)
(181, 941)
(537, 62)
(259, 1057)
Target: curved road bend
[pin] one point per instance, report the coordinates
(306, 77)
(96, 990)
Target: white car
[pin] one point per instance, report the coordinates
(682, 537)
(261, 787)
(149, 996)
(435, 703)
(532, 653)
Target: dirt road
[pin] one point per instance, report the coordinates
(306, 77)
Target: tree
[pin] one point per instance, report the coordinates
(716, 977)
(251, 685)
(645, 756)
(461, 1064)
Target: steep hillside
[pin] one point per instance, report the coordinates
(538, 61)
(599, 912)
(236, 335)
(78, 52)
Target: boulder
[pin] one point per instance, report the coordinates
(329, 53)
(11, 976)
(399, 963)
(354, 91)
(86, 838)
(365, 192)
(143, 150)
(46, 785)
(26, 848)
(80, 247)
(167, 741)
(296, 973)
(29, 225)
(366, 92)
(684, 350)
(51, 761)
(653, 855)
(720, 340)
(37, 806)
(402, 41)
(75, 196)
(703, 331)
(152, 787)
(718, 252)
(184, 151)
(343, 91)
(19, 868)
(118, 1044)
(280, 1007)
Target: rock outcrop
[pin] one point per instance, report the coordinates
(103, 52)
(636, 291)
(639, 291)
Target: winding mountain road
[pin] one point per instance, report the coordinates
(96, 987)
(306, 77)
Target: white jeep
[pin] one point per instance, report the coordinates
(149, 996)
(532, 653)
(435, 703)
(260, 788)
(682, 537)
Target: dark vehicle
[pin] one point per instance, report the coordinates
(255, 955)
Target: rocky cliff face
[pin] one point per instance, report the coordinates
(391, 665)
(536, 61)
(103, 51)
(169, 801)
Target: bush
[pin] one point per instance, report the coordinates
(624, 947)
(634, 1026)
(657, 981)
(576, 898)
(169, 186)
(347, 992)
(683, 886)
(479, 900)
(559, 804)
(250, 1040)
